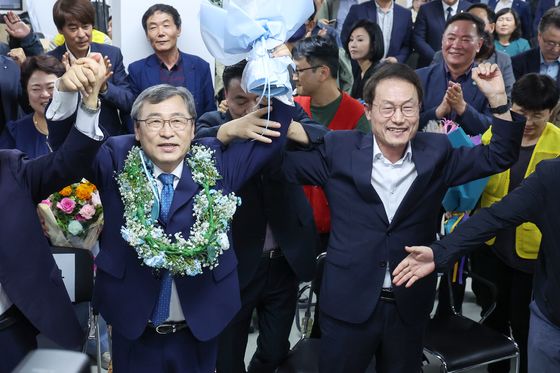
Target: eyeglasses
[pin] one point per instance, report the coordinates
(298, 71)
(450, 39)
(550, 44)
(387, 111)
(176, 123)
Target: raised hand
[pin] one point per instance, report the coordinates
(86, 75)
(18, 55)
(250, 126)
(444, 109)
(419, 263)
(15, 26)
(490, 82)
(454, 97)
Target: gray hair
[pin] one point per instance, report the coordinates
(160, 93)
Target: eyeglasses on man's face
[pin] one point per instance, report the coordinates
(298, 71)
(178, 123)
(407, 109)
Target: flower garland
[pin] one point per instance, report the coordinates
(213, 212)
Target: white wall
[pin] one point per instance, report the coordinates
(129, 35)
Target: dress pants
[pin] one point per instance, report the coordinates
(512, 303)
(544, 343)
(273, 293)
(396, 346)
(178, 352)
(16, 341)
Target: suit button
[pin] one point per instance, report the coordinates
(383, 264)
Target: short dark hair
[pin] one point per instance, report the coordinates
(46, 63)
(392, 71)
(318, 51)
(489, 12)
(517, 30)
(550, 18)
(164, 8)
(81, 10)
(535, 92)
(376, 44)
(465, 16)
(233, 72)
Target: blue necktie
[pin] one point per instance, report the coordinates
(161, 310)
(449, 10)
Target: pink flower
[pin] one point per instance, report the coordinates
(66, 205)
(95, 200)
(46, 202)
(87, 212)
(79, 217)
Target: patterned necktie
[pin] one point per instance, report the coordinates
(449, 10)
(161, 310)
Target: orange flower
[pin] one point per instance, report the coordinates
(83, 191)
(66, 191)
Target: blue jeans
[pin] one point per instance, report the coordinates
(544, 343)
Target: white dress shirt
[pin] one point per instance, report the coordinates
(502, 4)
(391, 181)
(62, 106)
(385, 22)
(453, 9)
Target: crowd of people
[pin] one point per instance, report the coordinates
(345, 168)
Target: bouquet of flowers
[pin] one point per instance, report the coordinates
(73, 216)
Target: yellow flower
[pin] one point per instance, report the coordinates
(66, 191)
(83, 191)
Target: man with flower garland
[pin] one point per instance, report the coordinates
(32, 295)
(167, 208)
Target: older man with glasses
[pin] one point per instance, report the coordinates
(544, 59)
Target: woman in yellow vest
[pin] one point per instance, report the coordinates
(510, 262)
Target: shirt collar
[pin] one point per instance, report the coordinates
(454, 7)
(462, 77)
(176, 66)
(71, 55)
(177, 172)
(379, 10)
(543, 62)
(378, 155)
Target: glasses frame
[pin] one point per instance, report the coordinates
(416, 112)
(168, 121)
(298, 71)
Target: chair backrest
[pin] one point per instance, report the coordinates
(76, 266)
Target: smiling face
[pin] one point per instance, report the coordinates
(239, 102)
(460, 44)
(166, 147)
(162, 32)
(393, 132)
(359, 44)
(535, 124)
(39, 90)
(77, 36)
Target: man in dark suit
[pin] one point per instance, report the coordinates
(449, 89)
(536, 200)
(430, 24)
(385, 190)
(395, 23)
(274, 240)
(164, 321)
(33, 298)
(544, 59)
(162, 24)
(74, 19)
(523, 10)
(542, 7)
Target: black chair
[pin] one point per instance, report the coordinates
(460, 343)
(76, 266)
(304, 356)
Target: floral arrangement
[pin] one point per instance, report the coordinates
(213, 212)
(73, 216)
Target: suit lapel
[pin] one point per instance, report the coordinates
(152, 72)
(362, 163)
(423, 162)
(189, 75)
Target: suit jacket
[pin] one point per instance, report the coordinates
(362, 240)
(144, 73)
(523, 10)
(536, 200)
(401, 32)
(529, 62)
(117, 101)
(542, 6)
(267, 199)
(477, 117)
(10, 90)
(126, 291)
(429, 27)
(28, 272)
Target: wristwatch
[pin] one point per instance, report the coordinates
(500, 109)
(90, 110)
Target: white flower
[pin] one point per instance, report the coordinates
(75, 227)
